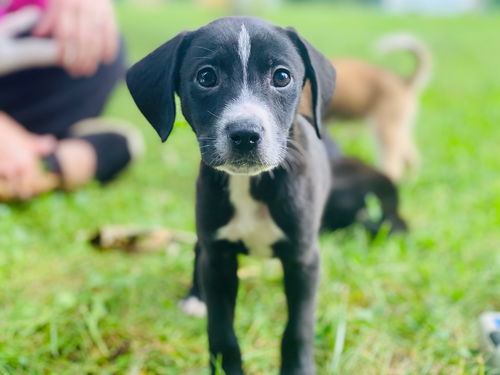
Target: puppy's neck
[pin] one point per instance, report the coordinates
(296, 147)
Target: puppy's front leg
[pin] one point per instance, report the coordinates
(220, 285)
(301, 279)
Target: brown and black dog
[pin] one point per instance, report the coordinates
(386, 100)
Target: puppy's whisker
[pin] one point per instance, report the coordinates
(205, 48)
(218, 159)
(286, 166)
(213, 114)
(295, 153)
(293, 144)
(293, 157)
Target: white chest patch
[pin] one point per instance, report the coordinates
(252, 222)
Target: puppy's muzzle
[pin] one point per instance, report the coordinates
(244, 136)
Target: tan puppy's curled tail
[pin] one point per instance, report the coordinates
(409, 42)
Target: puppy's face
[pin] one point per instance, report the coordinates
(239, 80)
(239, 84)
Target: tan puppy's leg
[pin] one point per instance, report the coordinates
(390, 123)
(393, 121)
(390, 161)
(410, 156)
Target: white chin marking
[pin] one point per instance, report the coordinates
(193, 306)
(243, 171)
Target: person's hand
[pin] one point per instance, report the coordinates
(85, 30)
(20, 153)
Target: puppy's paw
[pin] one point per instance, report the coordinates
(193, 306)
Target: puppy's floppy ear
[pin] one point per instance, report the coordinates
(153, 81)
(319, 72)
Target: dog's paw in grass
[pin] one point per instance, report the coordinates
(193, 306)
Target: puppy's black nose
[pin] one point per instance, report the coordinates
(244, 136)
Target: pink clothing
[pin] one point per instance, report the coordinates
(7, 6)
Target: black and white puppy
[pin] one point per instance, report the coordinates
(267, 174)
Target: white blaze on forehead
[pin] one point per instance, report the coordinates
(244, 49)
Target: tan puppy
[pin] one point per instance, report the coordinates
(388, 101)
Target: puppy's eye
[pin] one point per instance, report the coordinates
(281, 78)
(207, 77)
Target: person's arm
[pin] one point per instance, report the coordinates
(85, 30)
(20, 153)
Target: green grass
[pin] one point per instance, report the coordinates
(408, 305)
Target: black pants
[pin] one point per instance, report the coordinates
(49, 101)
